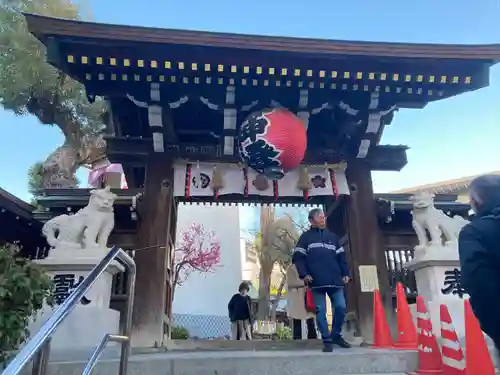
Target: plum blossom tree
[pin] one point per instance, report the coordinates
(198, 251)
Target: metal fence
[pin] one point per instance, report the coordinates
(203, 326)
(395, 260)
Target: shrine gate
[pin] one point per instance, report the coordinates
(177, 98)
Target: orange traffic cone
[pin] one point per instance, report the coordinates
(429, 355)
(478, 357)
(453, 355)
(407, 333)
(381, 333)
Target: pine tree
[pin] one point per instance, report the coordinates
(30, 86)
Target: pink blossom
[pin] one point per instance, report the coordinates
(199, 250)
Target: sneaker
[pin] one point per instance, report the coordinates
(327, 347)
(339, 341)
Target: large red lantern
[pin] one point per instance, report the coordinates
(272, 142)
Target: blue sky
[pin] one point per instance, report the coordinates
(451, 138)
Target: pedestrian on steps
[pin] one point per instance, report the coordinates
(295, 305)
(240, 313)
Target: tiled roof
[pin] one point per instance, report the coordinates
(15, 205)
(43, 26)
(447, 186)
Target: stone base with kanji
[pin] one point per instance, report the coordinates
(437, 273)
(92, 318)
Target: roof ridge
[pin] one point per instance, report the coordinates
(436, 185)
(16, 200)
(50, 26)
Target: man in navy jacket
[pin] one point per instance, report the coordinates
(321, 263)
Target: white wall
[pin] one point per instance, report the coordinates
(209, 293)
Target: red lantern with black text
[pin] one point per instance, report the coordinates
(272, 142)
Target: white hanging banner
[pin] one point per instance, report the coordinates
(259, 186)
(288, 185)
(321, 183)
(195, 180)
(233, 179)
(198, 180)
(341, 181)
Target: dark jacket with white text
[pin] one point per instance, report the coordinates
(319, 255)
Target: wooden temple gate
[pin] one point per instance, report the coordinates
(177, 98)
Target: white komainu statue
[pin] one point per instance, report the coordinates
(427, 218)
(88, 228)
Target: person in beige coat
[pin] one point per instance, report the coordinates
(296, 307)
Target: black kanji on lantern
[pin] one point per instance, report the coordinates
(64, 285)
(261, 155)
(254, 125)
(453, 283)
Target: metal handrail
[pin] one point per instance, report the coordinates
(39, 345)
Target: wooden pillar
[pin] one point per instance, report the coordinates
(336, 222)
(152, 261)
(365, 245)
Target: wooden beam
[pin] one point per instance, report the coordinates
(137, 150)
(333, 206)
(387, 158)
(80, 197)
(54, 55)
(128, 150)
(126, 239)
(168, 127)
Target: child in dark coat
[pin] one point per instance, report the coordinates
(240, 313)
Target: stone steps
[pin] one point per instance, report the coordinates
(355, 361)
(253, 345)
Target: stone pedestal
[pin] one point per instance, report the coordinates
(92, 318)
(438, 282)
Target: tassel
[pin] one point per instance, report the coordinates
(217, 182)
(304, 183)
(245, 177)
(327, 172)
(187, 188)
(333, 179)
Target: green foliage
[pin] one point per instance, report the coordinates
(180, 333)
(35, 178)
(275, 291)
(24, 289)
(29, 85)
(284, 333)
